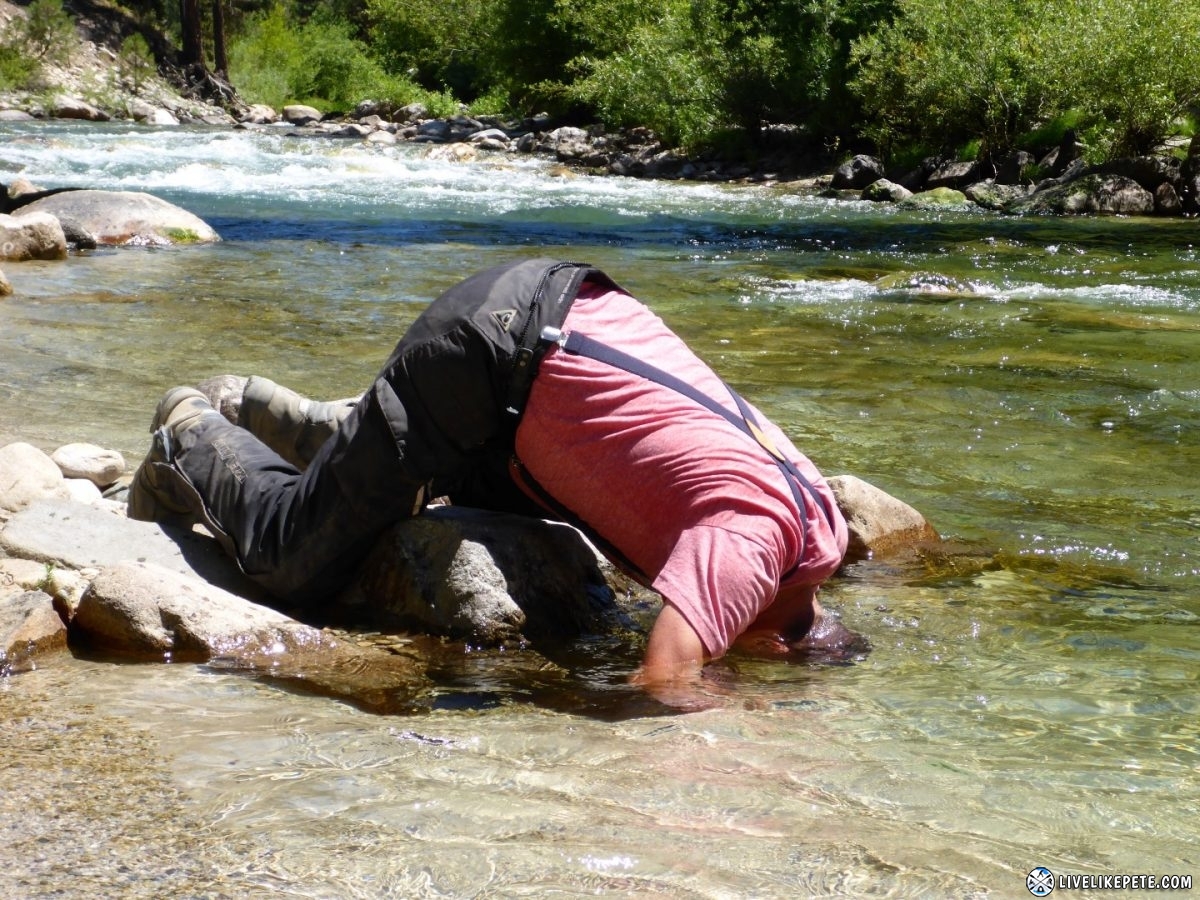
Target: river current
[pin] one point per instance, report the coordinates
(1031, 385)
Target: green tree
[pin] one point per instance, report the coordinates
(44, 36)
(264, 56)
(948, 71)
(48, 32)
(135, 62)
(435, 42)
(655, 79)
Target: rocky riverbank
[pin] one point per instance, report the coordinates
(78, 575)
(94, 86)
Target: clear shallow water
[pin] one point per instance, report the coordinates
(1046, 408)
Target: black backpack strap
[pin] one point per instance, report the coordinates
(549, 304)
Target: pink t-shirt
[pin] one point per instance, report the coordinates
(687, 497)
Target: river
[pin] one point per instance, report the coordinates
(1031, 385)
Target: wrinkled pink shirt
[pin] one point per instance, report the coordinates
(688, 498)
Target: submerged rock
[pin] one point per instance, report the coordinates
(29, 627)
(144, 610)
(938, 198)
(924, 284)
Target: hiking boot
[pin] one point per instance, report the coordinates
(292, 425)
(159, 492)
(224, 393)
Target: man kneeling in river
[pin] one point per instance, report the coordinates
(536, 387)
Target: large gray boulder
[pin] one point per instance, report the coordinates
(1097, 194)
(31, 235)
(956, 175)
(299, 114)
(125, 218)
(65, 107)
(488, 577)
(857, 173)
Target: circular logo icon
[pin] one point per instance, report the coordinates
(1040, 881)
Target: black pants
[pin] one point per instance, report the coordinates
(440, 414)
(299, 533)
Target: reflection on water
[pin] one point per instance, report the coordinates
(1030, 385)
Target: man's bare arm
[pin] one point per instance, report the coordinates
(674, 652)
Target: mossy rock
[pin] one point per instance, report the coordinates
(938, 198)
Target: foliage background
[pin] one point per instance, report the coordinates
(964, 78)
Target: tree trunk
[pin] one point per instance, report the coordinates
(190, 24)
(220, 56)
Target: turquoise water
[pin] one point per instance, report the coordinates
(1031, 385)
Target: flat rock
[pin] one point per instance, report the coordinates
(144, 610)
(84, 536)
(141, 608)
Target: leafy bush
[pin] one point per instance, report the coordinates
(319, 63)
(17, 68)
(44, 36)
(1131, 67)
(435, 43)
(946, 71)
(1122, 72)
(656, 79)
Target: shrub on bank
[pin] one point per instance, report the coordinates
(43, 36)
(944, 72)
